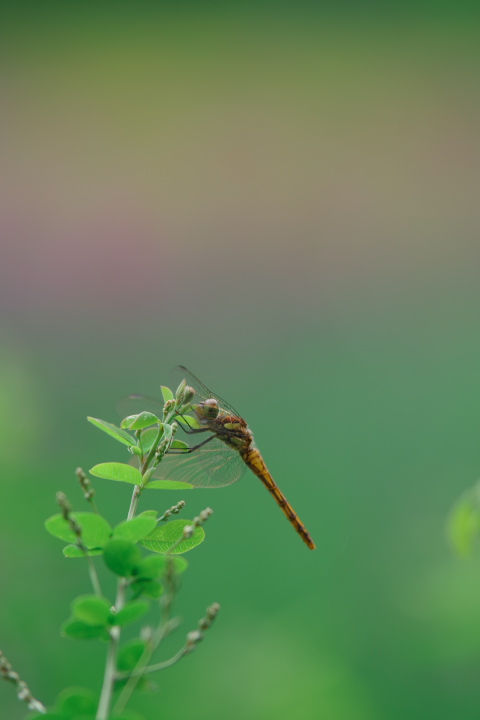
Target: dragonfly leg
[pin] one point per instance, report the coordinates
(173, 451)
(187, 429)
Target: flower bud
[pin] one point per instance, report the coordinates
(188, 395)
(212, 611)
(194, 637)
(181, 390)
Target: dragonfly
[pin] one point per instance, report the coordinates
(223, 456)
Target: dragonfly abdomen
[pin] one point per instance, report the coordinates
(256, 463)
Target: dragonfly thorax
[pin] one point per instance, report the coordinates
(234, 431)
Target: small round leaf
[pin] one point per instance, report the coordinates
(80, 630)
(121, 556)
(149, 588)
(73, 551)
(135, 529)
(179, 445)
(91, 609)
(130, 613)
(130, 654)
(164, 537)
(151, 567)
(75, 701)
(95, 529)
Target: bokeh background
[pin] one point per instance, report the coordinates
(284, 198)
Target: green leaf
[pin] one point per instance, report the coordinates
(114, 431)
(95, 529)
(147, 439)
(464, 525)
(135, 529)
(91, 609)
(167, 394)
(142, 420)
(73, 551)
(130, 654)
(179, 444)
(121, 557)
(119, 472)
(180, 564)
(75, 701)
(168, 485)
(153, 566)
(164, 536)
(130, 613)
(149, 588)
(59, 528)
(189, 420)
(167, 431)
(81, 631)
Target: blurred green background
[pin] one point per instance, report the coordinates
(284, 198)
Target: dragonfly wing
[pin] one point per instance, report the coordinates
(134, 404)
(201, 390)
(212, 465)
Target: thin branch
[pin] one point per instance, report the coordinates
(193, 638)
(23, 691)
(160, 666)
(92, 571)
(86, 485)
(111, 663)
(174, 510)
(76, 528)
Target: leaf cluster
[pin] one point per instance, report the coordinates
(144, 579)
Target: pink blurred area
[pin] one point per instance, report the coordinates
(180, 174)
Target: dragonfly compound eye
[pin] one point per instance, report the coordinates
(210, 408)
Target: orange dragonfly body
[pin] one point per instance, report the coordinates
(222, 458)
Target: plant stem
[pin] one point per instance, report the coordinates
(137, 490)
(111, 663)
(93, 504)
(92, 570)
(134, 677)
(158, 666)
(162, 630)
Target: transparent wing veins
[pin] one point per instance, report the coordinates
(213, 465)
(202, 391)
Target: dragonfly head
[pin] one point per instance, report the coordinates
(207, 409)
